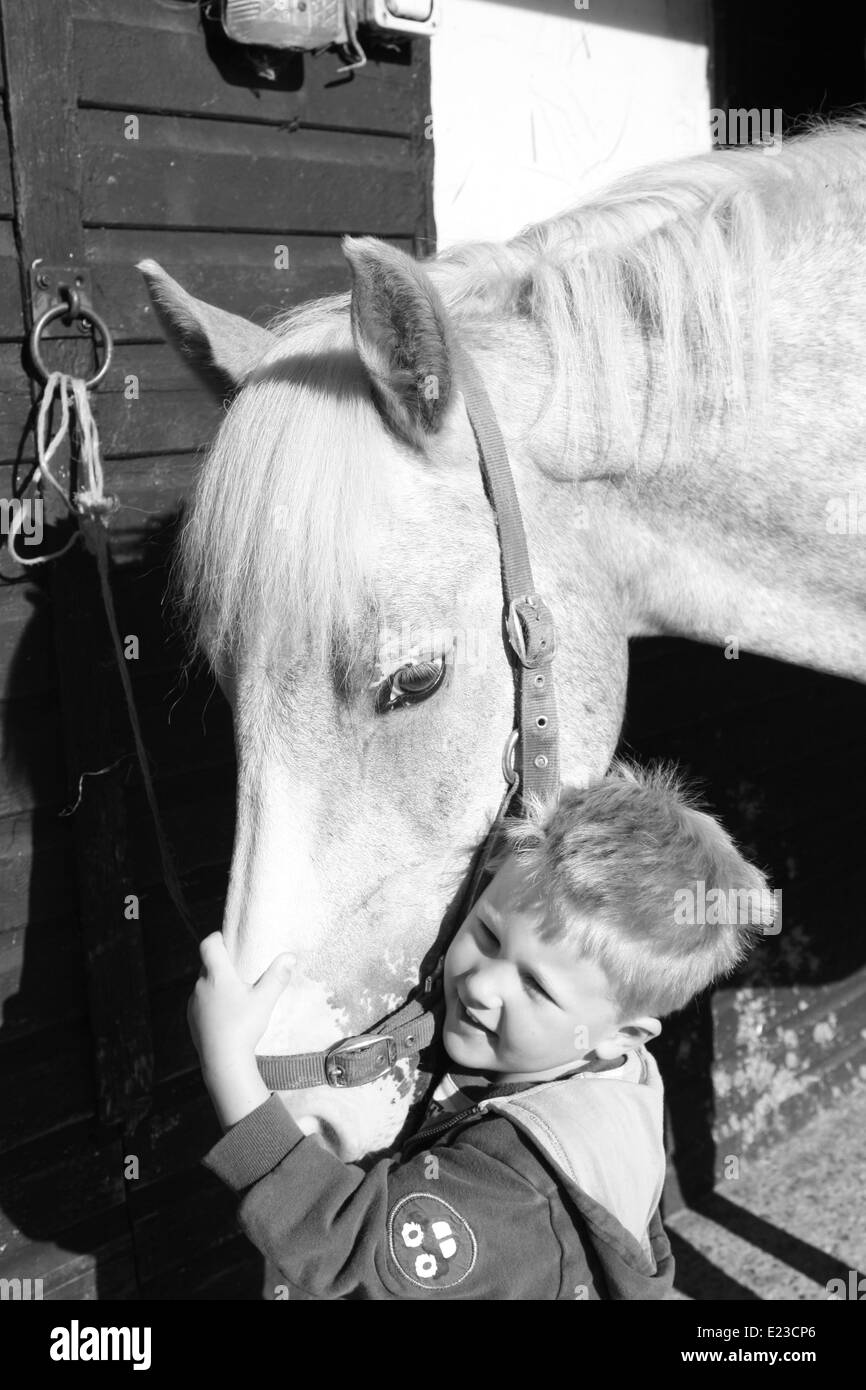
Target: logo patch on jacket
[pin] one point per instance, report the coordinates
(431, 1244)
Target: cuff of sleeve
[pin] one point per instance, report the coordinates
(255, 1145)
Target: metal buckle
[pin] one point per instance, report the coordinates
(509, 772)
(336, 1075)
(527, 617)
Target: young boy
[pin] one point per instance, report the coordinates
(538, 1170)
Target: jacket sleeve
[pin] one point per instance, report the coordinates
(456, 1221)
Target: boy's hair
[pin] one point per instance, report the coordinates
(618, 865)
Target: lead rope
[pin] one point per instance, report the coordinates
(91, 507)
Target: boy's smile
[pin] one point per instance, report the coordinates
(515, 1004)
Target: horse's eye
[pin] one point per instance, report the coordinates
(410, 684)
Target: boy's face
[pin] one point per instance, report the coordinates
(517, 1005)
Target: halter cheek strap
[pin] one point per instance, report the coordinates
(530, 760)
(533, 746)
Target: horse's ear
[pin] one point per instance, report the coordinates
(222, 347)
(400, 329)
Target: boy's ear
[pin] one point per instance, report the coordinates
(628, 1037)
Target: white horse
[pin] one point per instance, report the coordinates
(679, 369)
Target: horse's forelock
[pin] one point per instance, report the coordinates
(287, 500)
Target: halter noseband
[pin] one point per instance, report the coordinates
(530, 759)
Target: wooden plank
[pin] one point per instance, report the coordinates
(235, 272)
(46, 164)
(102, 1268)
(231, 177)
(173, 421)
(171, 411)
(422, 150)
(147, 59)
(7, 202)
(11, 321)
(46, 1085)
(180, 1128)
(154, 366)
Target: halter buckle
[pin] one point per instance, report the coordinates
(509, 772)
(345, 1064)
(531, 631)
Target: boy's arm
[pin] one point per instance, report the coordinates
(428, 1226)
(455, 1221)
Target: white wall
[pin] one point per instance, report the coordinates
(534, 105)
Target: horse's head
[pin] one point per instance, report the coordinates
(341, 568)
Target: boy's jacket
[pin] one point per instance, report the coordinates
(550, 1193)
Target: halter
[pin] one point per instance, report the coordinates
(530, 760)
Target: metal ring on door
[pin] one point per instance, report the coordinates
(73, 310)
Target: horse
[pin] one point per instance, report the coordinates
(677, 366)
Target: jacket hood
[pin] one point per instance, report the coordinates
(603, 1131)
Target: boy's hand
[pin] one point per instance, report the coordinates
(226, 1018)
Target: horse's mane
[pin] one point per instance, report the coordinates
(287, 503)
(682, 252)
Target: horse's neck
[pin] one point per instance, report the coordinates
(722, 579)
(760, 544)
(762, 548)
